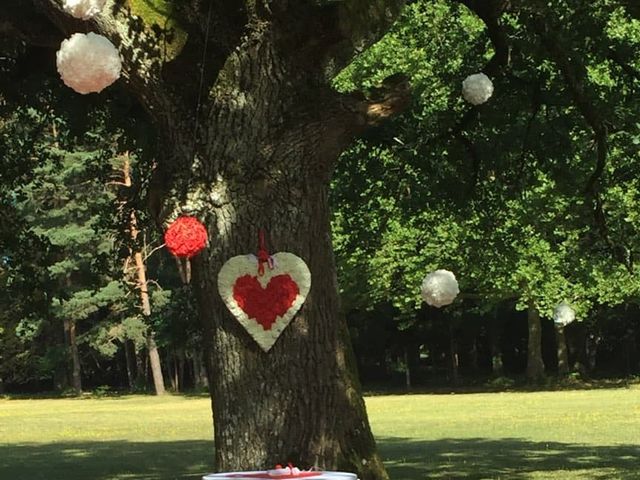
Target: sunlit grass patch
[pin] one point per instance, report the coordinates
(538, 435)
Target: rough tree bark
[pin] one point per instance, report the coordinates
(250, 130)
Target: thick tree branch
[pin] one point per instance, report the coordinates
(20, 20)
(575, 75)
(355, 25)
(489, 11)
(142, 49)
(393, 98)
(343, 117)
(327, 33)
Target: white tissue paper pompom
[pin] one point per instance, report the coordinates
(563, 314)
(477, 88)
(440, 288)
(84, 9)
(88, 63)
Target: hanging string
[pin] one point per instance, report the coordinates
(184, 267)
(263, 254)
(199, 100)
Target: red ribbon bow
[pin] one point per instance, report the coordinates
(263, 254)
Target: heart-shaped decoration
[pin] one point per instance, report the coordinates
(264, 304)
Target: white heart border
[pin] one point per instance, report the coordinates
(284, 263)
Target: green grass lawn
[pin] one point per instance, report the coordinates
(543, 435)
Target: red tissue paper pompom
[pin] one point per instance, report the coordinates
(186, 237)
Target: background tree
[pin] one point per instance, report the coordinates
(60, 209)
(507, 193)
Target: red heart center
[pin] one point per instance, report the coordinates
(265, 304)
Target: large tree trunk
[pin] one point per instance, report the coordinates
(301, 401)
(251, 131)
(535, 365)
(264, 161)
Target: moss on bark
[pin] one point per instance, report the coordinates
(158, 17)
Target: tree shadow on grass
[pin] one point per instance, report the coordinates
(106, 460)
(406, 459)
(507, 458)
